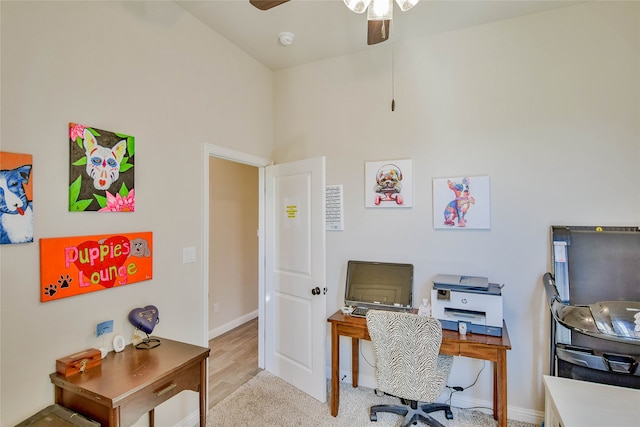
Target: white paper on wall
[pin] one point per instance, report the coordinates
(334, 208)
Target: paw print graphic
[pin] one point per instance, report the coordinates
(51, 290)
(65, 282)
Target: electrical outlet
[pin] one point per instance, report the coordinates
(104, 327)
(216, 307)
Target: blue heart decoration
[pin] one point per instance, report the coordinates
(145, 318)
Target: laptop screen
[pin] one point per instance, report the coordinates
(379, 284)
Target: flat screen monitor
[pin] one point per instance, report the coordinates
(379, 284)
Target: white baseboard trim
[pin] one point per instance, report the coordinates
(216, 332)
(513, 412)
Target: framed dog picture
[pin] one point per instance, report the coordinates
(16, 198)
(462, 203)
(101, 173)
(388, 184)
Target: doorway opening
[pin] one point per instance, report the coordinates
(232, 248)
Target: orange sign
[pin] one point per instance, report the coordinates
(77, 265)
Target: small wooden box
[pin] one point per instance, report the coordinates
(79, 362)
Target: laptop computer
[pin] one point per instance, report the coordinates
(378, 285)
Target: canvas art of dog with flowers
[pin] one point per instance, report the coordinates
(101, 170)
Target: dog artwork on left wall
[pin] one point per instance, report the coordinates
(16, 203)
(101, 170)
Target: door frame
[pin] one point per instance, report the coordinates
(210, 150)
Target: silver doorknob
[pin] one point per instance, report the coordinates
(315, 291)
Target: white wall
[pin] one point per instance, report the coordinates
(546, 105)
(145, 69)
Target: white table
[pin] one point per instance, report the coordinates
(573, 403)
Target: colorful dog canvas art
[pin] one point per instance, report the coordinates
(101, 175)
(389, 184)
(16, 198)
(461, 202)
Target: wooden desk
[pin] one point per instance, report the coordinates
(493, 349)
(133, 382)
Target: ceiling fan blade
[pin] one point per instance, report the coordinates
(378, 31)
(267, 4)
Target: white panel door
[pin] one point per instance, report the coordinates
(295, 288)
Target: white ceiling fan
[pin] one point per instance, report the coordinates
(379, 16)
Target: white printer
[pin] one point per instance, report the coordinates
(468, 299)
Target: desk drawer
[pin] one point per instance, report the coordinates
(469, 349)
(187, 378)
(354, 332)
(448, 347)
(479, 351)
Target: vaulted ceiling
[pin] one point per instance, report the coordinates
(327, 28)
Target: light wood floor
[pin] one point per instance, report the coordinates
(233, 360)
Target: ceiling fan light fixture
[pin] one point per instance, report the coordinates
(380, 10)
(379, 16)
(358, 6)
(406, 4)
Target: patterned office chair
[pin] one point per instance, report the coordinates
(409, 364)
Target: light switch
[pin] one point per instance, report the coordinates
(189, 254)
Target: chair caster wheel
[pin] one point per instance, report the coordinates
(373, 417)
(448, 414)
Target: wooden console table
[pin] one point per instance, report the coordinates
(130, 383)
(493, 349)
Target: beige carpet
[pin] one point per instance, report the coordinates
(266, 400)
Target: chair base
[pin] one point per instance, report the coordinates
(413, 412)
